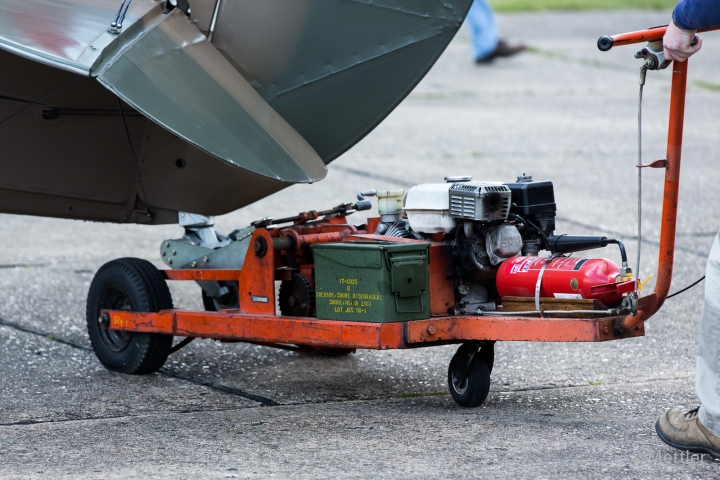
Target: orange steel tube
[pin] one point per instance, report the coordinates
(649, 35)
(234, 325)
(670, 198)
(200, 274)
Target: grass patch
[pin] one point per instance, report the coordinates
(414, 395)
(535, 5)
(595, 383)
(562, 57)
(707, 85)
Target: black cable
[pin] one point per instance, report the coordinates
(122, 18)
(117, 15)
(528, 222)
(13, 99)
(39, 99)
(135, 160)
(686, 288)
(621, 246)
(181, 344)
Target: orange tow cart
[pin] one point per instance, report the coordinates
(132, 323)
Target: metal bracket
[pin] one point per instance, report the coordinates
(654, 56)
(656, 164)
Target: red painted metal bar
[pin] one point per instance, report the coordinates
(670, 198)
(465, 328)
(217, 275)
(232, 325)
(650, 35)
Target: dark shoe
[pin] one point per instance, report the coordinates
(683, 430)
(503, 49)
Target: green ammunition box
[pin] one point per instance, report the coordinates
(371, 281)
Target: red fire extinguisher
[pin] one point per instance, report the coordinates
(563, 277)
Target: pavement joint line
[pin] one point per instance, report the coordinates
(264, 401)
(42, 333)
(215, 386)
(300, 404)
(373, 176)
(580, 385)
(28, 422)
(268, 402)
(24, 265)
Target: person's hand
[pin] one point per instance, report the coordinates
(676, 43)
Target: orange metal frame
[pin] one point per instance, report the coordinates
(255, 319)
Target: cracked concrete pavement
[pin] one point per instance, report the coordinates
(562, 111)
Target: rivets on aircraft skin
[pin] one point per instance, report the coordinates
(194, 264)
(162, 252)
(167, 244)
(173, 252)
(169, 261)
(206, 259)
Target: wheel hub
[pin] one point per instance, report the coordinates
(114, 299)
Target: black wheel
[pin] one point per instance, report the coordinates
(487, 352)
(469, 377)
(134, 285)
(297, 298)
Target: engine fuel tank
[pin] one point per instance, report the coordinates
(564, 277)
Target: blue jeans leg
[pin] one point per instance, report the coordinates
(484, 29)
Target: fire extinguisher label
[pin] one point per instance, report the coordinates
(569, 296)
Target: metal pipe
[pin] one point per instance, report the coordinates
(609, 312)
(213, 21)
(290, 240)
(606, 42)
(670, 198)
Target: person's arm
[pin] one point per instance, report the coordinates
(688, 16)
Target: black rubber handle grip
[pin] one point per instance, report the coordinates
(575, 243)
(605, 43)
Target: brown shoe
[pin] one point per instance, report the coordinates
(503, 49)
(683, 430)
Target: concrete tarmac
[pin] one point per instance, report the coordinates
(562, 111)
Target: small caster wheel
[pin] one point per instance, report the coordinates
(469, 376)
(133, 285)
(487, 352)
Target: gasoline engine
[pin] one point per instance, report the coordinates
(496, 231)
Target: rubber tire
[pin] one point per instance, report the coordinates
(146, 291)
(478, 382)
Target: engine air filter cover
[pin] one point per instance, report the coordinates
(480, 201)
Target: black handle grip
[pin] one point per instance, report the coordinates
(575, 243)
(605, 43)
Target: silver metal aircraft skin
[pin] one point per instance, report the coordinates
(202, 111)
